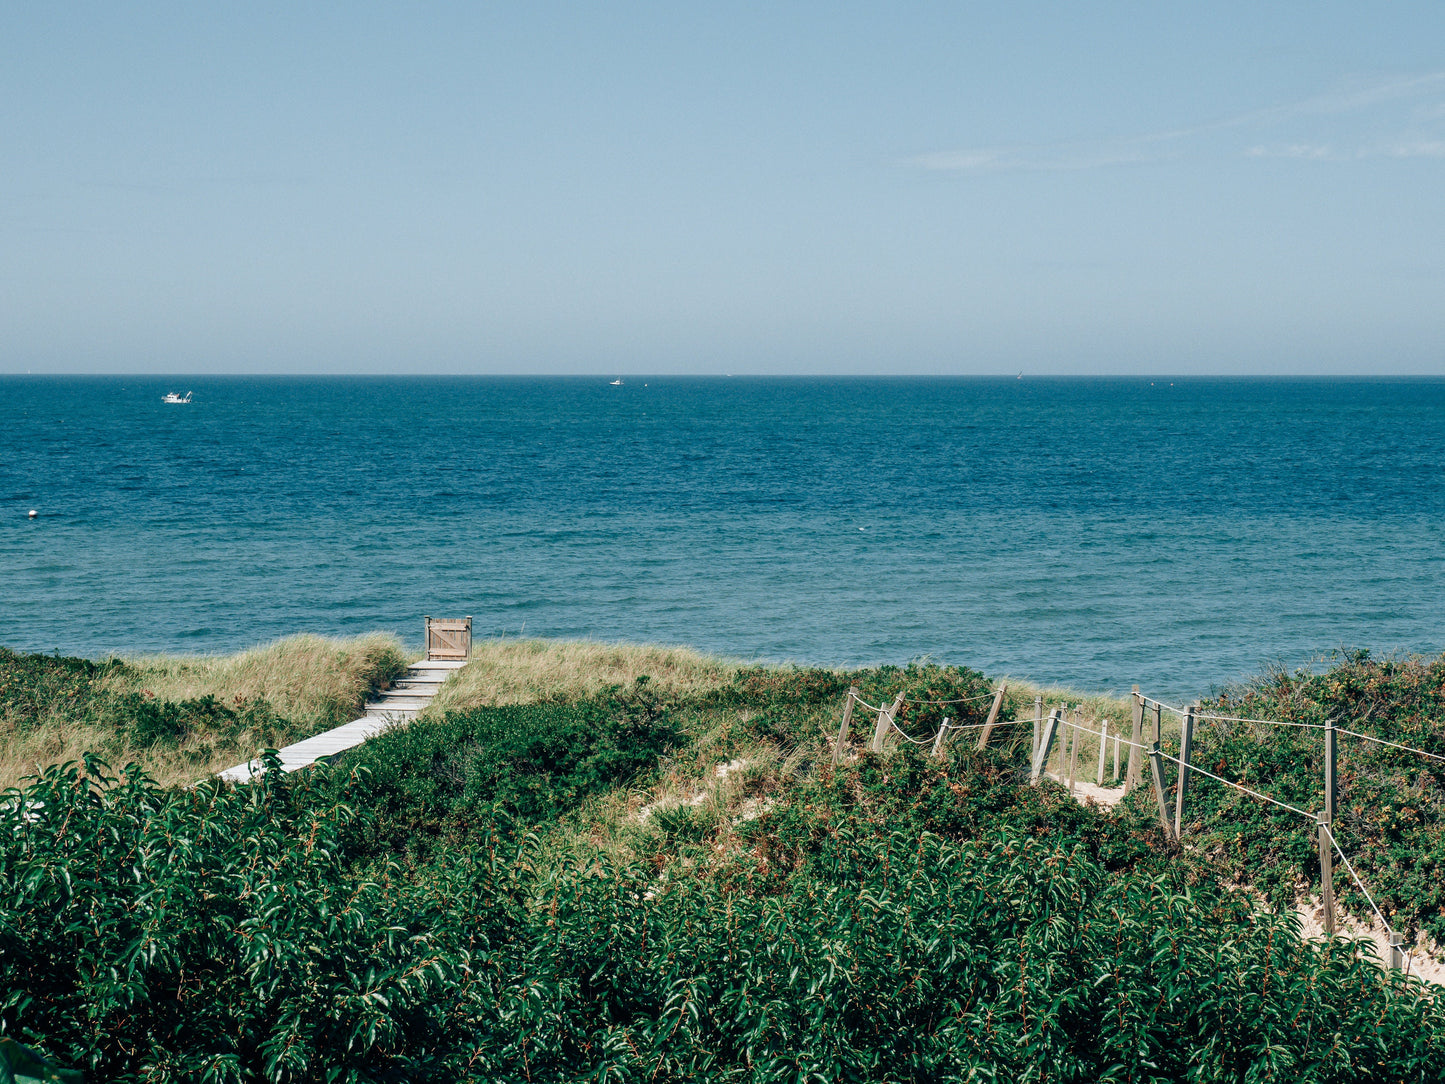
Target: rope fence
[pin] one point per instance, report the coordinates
(1046, 729)
(1161, 704)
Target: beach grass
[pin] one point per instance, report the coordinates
(184, 717)
(512, 671)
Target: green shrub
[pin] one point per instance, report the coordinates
(35, 687)
(211, 934)
(442, 781)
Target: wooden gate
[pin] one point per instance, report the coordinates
(448, 638)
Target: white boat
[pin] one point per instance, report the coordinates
(616, 383)
(176, 397)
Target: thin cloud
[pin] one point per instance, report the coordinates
(1176, 142)
(1056, 156)
(1420, 148)
(1312, 152)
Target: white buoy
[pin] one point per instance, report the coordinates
(33, 513)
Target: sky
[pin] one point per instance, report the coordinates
(802, 188)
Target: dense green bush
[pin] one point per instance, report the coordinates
(441, 782)
(210, 934)
(33, 687)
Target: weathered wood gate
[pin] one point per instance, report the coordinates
(448, 638)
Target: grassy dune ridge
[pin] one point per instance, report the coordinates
(525, 671)
(182, 718)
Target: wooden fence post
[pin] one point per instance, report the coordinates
(1066, 735)
(992, 715)
(1133, 775)
(1116, 757)
(1103, 746)
(886, 718)
(1186, 746)
(1074, 755)
(1330, 772)
(1327, 873)
(1046, 740)
(1038, 724)
(1396, 951)
(1156, 767)
(938, 741)
(847, 718)
(1326, 825)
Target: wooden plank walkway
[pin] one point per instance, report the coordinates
(399, 704)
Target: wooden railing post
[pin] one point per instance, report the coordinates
(1186, 747)
(1330, 772)
(1326, 826)
(1116, 758)
(1327, 873)
(1073, 764)
(1156, 767)
(992, 716)
(886, 718)
(1066, 733)
(847, 718)
(1396, 952)
(1133, 775)
(1103, 745)
(1038, 725)
(938, 741)
(1046, 741)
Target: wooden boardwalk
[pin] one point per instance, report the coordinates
(399, 704)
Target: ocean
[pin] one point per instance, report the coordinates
(1179, 534)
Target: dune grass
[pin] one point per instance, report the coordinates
(304, 677)
(528, 671)
(182, 718)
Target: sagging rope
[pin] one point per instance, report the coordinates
(963, 700)
(908, 700)
(1266, 722)
(1391, 744)
(1159, 703)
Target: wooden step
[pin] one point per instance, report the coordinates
(394, 703)
(399, 704)
(421, 685)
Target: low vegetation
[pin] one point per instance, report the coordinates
(184, 718)
(525, 671)
(667, 880)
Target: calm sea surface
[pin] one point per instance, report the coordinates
(1095, 532)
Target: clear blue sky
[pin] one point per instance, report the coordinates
(768, 188)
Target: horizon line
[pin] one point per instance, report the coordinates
(1025, 375)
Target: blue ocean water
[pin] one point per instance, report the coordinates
(1095, 532)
